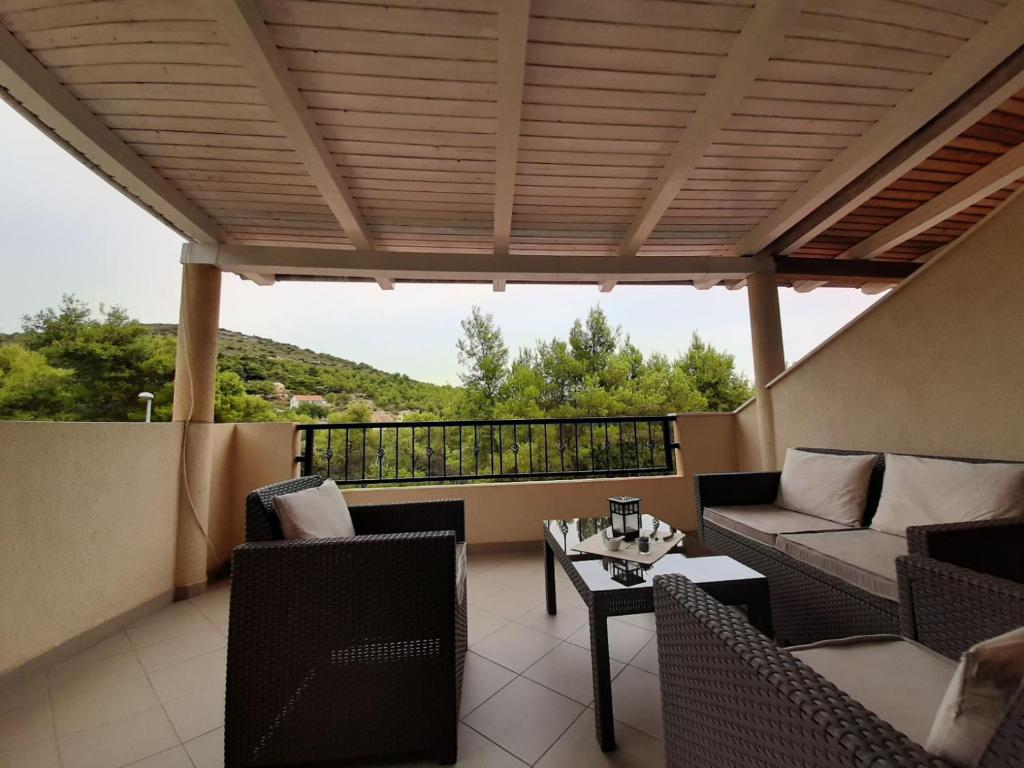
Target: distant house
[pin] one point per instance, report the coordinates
(298, 400)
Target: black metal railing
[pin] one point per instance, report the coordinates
(513, 449)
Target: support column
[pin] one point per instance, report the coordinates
(769, 358)
(194, 389)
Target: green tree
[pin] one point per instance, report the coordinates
(483, 357)
(714, 373)
(30, 388)
(232, 403)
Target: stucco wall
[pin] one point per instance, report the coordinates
(89, 519)
(936, 367)
(748, 455)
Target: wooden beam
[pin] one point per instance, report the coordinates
(873, 289)
(806, 286)
(37, 94)
(606, 286)
(243, 27)
(764, 30)
(386, 283)
(706, 285)
(498, 286)
(991, 91)
(513, 27)
(997, 40)
(993, 177)
(260, 278)
(796, 270)
(285, 261)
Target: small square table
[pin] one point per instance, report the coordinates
(611, 587)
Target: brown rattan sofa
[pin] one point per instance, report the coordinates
(341, 649)
(808, 603)
(733, 698)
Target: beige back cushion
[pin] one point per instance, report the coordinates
(316, 513)
(824, 485)
(978, 697)
(919, 491)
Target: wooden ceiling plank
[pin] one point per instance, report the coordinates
(990, 179)
(513, 28)
(987, 68)
(37, 94)
(763, 30)
(244, 27)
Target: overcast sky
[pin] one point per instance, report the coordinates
(64, 230)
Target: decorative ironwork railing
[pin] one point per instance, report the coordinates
(513, 449)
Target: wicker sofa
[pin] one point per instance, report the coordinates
(732, 698)
(811, 603)
(342, 649)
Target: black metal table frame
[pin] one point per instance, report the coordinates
(601, 605)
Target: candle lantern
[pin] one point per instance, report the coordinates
(625, 514)
(627, 573)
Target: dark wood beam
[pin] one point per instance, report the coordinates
(875, 271)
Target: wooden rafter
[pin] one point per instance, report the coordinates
(802, 270)
(764, 29)
(513, 28)
(985, 51)
(243, 26)
(38, 95)
(993, 177)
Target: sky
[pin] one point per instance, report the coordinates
(63, 229)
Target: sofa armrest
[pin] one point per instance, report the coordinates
(411, 516)
(988, 546)
(950, 608)
(729, 489)
(733, 698)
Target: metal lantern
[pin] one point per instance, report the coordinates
(625, 514)
(627, 573)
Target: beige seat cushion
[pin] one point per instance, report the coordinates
(899, 680)
(315, 513)
(918, 491)
(764, 522)
(864, 558)
(831, 486)
(980, 693)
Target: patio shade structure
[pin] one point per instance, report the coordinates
(762, 144)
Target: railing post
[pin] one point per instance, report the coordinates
(307, 454)
(666, 431)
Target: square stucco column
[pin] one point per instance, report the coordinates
(769, 357)
(194, 389)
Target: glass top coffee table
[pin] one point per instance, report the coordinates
(613, 587)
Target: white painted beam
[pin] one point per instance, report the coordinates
(243, 27)
(498, 286)
(764, 31)
(806, 286)
(38, 94)
(873, 289)
(513, 26)
(386, 283)
(996, 41)
(705, 285)
(606, 286)
(976, 187)
(260, 278)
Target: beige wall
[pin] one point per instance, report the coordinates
(748, 454)
(88, 529)
(936, 367)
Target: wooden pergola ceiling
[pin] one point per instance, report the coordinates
(595, 141)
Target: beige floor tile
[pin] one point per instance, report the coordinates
(647, 659)
(202, 639)
(483, 678)
(26, 725)
(624, 640)
(118, 743)
(568, 619)
(88, 709)
(181, 679)
(176, 757)
(116, 644)
(579, 747)
(643, 620)
(198, 712)
(478, 564)
(482, 623)
(477, 752)
(636, 699)
(208, 750)
(505, 601)
(83, 675)
(173, 621)
(515, 646)
(525, 718)
(42, 754)
(214, 603)
(568, 670)
(17, 693)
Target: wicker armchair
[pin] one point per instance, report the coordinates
(810, 605)
(341, 649)
(732, 698)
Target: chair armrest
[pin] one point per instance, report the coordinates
(989, 546)
(731, 697)
(950, 608)
(411, 516)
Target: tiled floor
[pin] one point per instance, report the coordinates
(153, 695)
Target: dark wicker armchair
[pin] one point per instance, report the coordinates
(732, 698)
(341, 649)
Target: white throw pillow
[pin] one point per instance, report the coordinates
(316, 513)
(977, 699)
(830, 486)
(919, 491)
